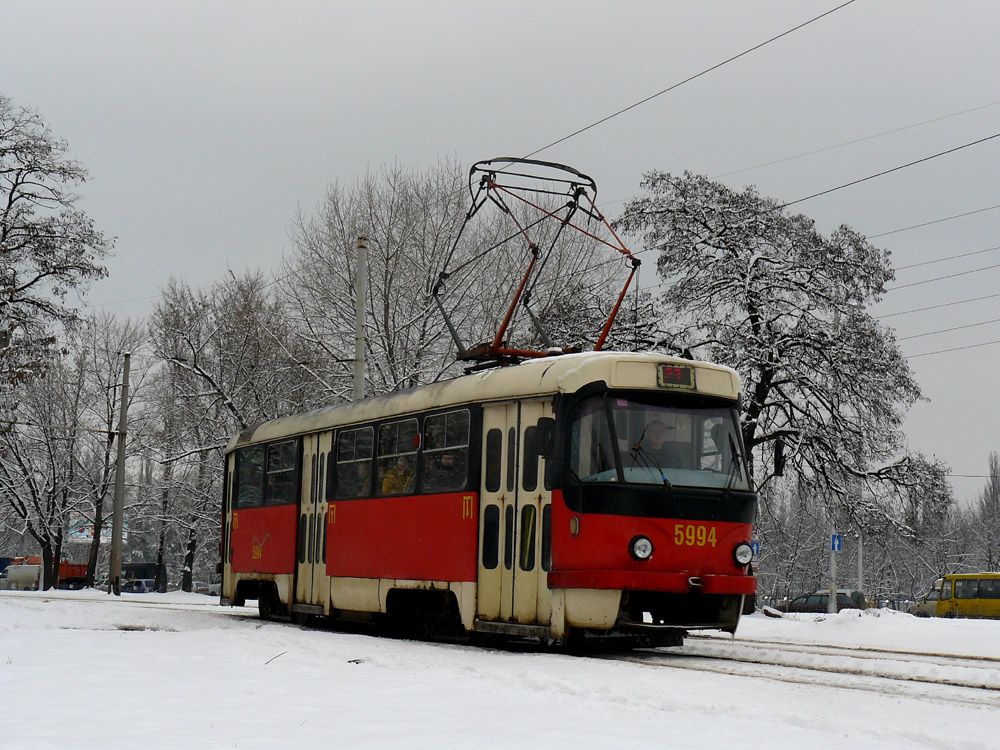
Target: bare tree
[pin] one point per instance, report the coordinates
(48, 248)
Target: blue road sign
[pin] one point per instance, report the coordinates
(755, 546)
(836, 544)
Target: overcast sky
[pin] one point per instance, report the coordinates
(207, 125)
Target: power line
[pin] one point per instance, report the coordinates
(688, 80)
(953, 349)
(856, 140)
(890, 171)
(950, 257)
(941, 278)
(936, 221)
(948, 330)
(935, 307)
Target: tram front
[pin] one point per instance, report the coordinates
(653, 505)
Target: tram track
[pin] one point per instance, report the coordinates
(129, 601)
(962, 680)
(833, 650)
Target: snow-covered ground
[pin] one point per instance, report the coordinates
(85, 670)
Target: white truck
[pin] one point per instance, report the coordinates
(21, 577)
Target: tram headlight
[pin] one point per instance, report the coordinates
(640, 548)
(743, 553)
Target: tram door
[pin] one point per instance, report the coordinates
(310, 579)
(510, 515)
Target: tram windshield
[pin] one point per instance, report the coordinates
(617, 439)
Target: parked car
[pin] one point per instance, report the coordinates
(818, 601)
(210, 589)
(138, 586)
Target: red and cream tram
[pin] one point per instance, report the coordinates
(598, 494)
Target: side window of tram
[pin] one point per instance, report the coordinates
(529, 470)
(279, 477)
(494, 458)
(526, 557)
(445, 458)
(397, 457)
(250, 477)
(511, 456)
(354, 463)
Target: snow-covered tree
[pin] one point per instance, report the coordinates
(48, 248)
(751, 285)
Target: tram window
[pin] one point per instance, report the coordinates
(321, 486)
(314, 480)
(326, 529)
(529, 471)
(511, 457)
(966, 588)
(311, 551)
(547, 538)
(528, 521)
(445, 459)
(592, 456)
(279, 475)
(397, 457)
(508, 538)
(250, 477)
(354, 455)
(494, 457)
(491, 536)
(302, 538)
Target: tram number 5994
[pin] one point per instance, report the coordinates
(694, 535)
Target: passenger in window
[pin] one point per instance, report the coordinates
(445, 472)
(363, 481)
(399, 479)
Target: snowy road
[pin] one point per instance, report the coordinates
(974, 681)
(167, 671)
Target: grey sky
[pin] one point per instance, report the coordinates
(207, 125)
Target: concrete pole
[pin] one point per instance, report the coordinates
(118, 513)
(361, 287)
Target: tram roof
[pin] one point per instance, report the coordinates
(530, 379)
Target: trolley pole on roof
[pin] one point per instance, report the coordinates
(361, 291)
(118, 513)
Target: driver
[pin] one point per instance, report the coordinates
(666, 452)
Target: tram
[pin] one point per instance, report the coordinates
(599, 495)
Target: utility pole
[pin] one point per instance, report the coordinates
(861, 560)
(361, 291)
(118, 514)
(831, 607)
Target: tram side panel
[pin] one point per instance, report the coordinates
(414, 538)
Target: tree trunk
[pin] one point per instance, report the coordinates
(50, 566)
(95, 543)
(161, 546)
(192, 546)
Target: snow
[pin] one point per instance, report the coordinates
(86, 670)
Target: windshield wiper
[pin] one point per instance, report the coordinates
(734, 465)
(638, 452)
